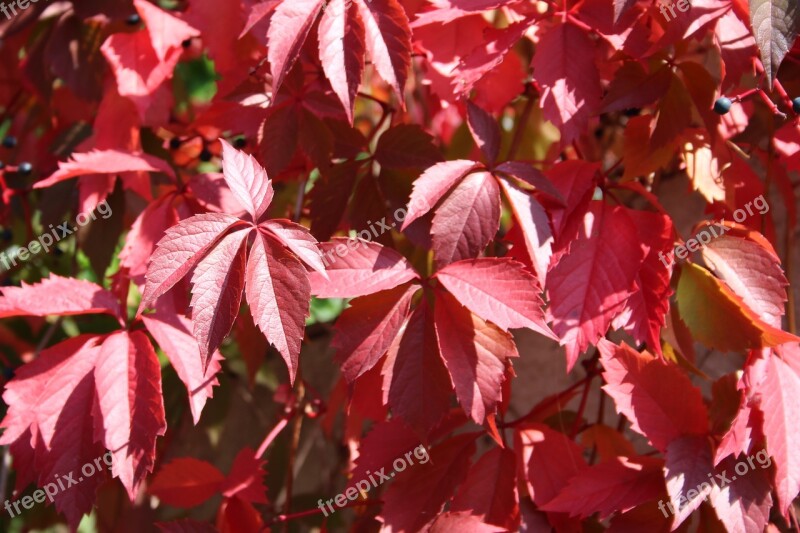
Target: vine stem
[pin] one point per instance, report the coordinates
(317, 510)
(272, 435)
(297, 425)
(521, 123)
(533, 411)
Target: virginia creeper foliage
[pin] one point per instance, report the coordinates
(552, 244)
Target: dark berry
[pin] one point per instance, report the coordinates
(8, 373)
(133, 20)
(2, 165)
(205, 155)
(240, 142)
(6, 235)
(722, 105)
(25, 168)
(10, 141)
(632, 112)
(175, 143)
(796, 105)
(58, 252)
(187, 43)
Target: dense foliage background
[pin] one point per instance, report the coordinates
(402, 265)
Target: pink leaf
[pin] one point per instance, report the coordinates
(490, 489)
(498, 290)
(388, 40)
(689, 473)
(105, 162)
(467, 219)
(342, 49)
(358, 267)
(58, 296)
(247, 180)
(288, 30)
(433, 184)
(484, 130)
(181, 248)
(278, 293)
(298, 240)
(217, 285)
(167, 31)
(128, 381)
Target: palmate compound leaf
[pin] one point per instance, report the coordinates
(775, 25)
(215, 245)
(348, 29)
(81, 397)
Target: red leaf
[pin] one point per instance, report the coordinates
(475, 353)
(128, 381)
(166, 31)
(247, 180)
(358, 267)
(752, 272)
(288, 29)
(388, 40)
(467, 219)
(646, 309)
(342, 49)
(484, 130)
(591, 283)
(146, 231)
(172, 332)
(186, 482)
(617, 485)
(534, 225)
(415, 382)
(688, 470)
(547, 461)
(498, 290)
(181, 248)
(644, 389)
(278, 292)
(744, 503)
(384, 443)
(105, 162)
(217, 285)
(368, 327)
(564, 66)
(745, 430)
(138, 71)
(49, 403)
(298, 240)
(58, 296)
(418, 494)
(490, 490)
(246, 478)
(433, 184)
(779, 393)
